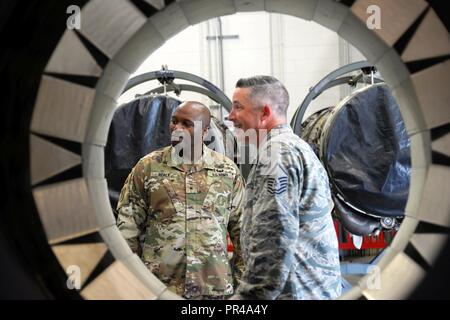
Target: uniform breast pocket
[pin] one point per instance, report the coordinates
(165, 202)
(218, 199)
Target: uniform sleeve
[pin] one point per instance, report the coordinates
(132, 208)
(275, 228)
(234, 226)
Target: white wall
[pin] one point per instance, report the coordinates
(183, 52)
(310, 53)
(297, 52)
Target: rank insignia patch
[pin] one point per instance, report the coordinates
(277, 184)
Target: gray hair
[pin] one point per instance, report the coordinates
(267, 89)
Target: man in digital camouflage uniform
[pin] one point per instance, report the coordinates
(185, 198)
(289, 243)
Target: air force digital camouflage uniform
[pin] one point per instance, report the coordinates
(288, 239)
(185, 212)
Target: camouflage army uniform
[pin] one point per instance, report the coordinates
(185, 211)
(289, 243)
(312, 128)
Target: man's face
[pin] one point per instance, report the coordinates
(243, 113)
(186, 124)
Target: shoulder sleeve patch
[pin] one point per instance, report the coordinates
(278, 182)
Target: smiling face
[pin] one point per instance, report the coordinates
(191, 121)
(244, 114)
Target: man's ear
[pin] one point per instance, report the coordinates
(266, 114)
(205, 131)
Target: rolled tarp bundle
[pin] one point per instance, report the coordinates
(365, 148)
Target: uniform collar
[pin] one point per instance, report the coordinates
(206, 161)
(272, 134)
(276, 131)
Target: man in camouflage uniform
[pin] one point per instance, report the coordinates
(289, 243)
(185, 210)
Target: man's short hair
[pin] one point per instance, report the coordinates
(266, 89)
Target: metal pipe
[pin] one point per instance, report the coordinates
(220, 55)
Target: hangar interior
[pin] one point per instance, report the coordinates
(336, 68)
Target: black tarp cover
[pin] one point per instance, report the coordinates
(137, 128)
(367, 152)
